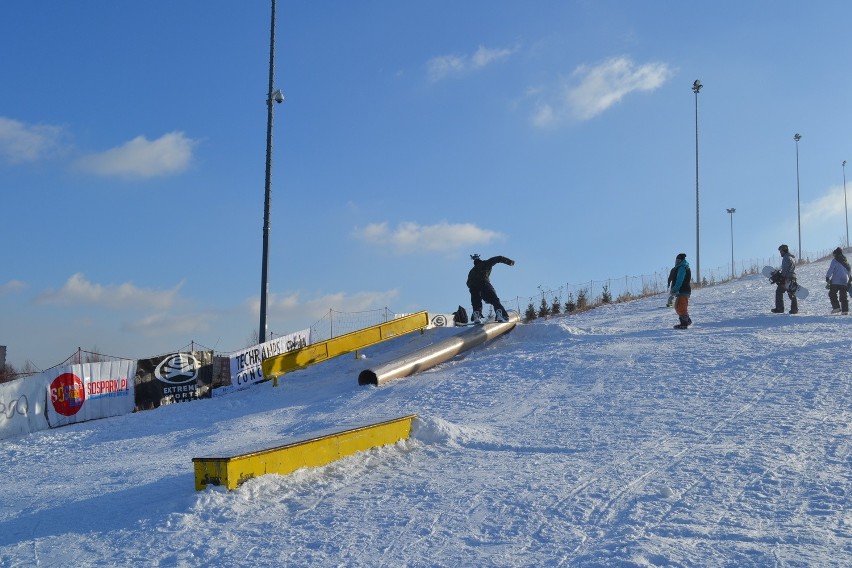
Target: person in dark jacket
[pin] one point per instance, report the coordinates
(837, 279)
(671, 280)
(479, 284)
(786, 282)
(681, 288)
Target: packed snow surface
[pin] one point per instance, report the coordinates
(604, 438)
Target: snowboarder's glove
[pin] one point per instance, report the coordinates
(827, 284)
(511, 263)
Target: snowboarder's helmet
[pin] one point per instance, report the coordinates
(783, 249)
(474, 257)
(681, 256)
(837, 252)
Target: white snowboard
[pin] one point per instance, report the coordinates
(800, 291)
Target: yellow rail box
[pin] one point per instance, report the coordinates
(313, 452)
(274, 367)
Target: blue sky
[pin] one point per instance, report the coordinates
(560, 134)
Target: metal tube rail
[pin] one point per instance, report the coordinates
(432, 355)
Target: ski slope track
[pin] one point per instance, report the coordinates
(601, 439)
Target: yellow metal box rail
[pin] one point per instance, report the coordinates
(276, 366)
(233, 471)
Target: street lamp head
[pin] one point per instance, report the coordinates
(696, 86)
(844, 163)
(277, 96)
(797, 136)
(732, 210)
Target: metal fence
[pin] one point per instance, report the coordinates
(612, 290)
(335, 324)
(584, 294)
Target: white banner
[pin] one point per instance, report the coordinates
(22, 406)
(246, 364)
(89, 391)
(441, 320)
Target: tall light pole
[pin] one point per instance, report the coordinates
(845, 206)
(278, 97)
(696, 87)
(732, 211)
(798, 137)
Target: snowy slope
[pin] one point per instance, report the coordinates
(605, 438)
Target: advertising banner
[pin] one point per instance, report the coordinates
(246, 364)
(22, 406)
(441, 320)
(177, 377)
(89, 391)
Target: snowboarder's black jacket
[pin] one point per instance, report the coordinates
(480, 274)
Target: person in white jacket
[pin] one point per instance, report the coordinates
(837, 279)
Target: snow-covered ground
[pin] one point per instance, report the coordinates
(604, 438)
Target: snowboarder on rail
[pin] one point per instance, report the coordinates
(681, 289)
(479, 284)
(785, 279)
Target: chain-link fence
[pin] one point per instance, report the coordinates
(335, 324)
(562, 298)
(577, 296)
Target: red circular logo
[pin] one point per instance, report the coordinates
(67, 394)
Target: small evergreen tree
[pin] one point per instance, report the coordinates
(555, 307)
(570, 305)
(530, 315)
(582, 300)
(543, 308)
(606, 296)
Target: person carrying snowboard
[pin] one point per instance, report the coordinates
(479, 284)
(837, 280)
(786, 282)
(681, 289)
(671, 280)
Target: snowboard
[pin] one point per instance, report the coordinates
(481, 323)
(800, 291)
(489, 319)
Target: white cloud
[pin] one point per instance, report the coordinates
(292, 307)
(544, 116)
(164, 324)
(80, 291)
(12, 286)
(410, 237)
(829, 206)
(445, 65)
(143, 158)
(440, 67)
(21, 142)
(484, 56)
(593, 89)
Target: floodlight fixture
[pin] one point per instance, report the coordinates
(798, 137)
